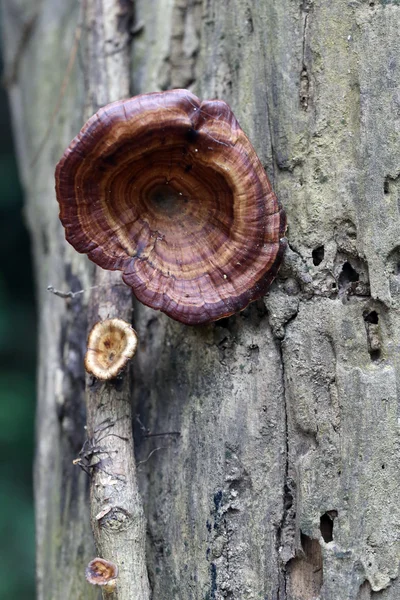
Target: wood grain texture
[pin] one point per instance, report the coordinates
(305, 76)
(287, 413)
(116, 509)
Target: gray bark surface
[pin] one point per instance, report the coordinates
(283, 481)
(117, 515)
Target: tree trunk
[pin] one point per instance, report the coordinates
(283, 482)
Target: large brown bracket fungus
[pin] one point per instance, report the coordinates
(169, 190)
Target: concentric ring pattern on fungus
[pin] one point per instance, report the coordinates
(169, 190)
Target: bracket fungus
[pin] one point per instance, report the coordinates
(170, 191)
(111, 344)
(102, 572)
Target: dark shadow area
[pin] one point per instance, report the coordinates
(371, 319)
(326, 525)
(318, 255)
(17, 377)
(348, 275)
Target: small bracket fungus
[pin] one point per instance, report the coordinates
(169, 190)
(111, 343)
(102, 572)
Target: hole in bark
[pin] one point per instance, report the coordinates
(326, 525)
(371, 317)
(386, 188)
(318, 255)
(375, 355)
(348, 275)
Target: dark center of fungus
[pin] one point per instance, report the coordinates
(167, 200)
(154, 198)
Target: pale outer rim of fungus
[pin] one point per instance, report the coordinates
(109, 583)
(97, 332)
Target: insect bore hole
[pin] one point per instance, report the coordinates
(318, 255)
(326, 525)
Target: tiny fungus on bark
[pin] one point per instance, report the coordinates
(111, 344)
(102, 572)
(170, 191)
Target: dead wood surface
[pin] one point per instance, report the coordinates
(283, 482)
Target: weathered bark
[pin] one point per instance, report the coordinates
(115, 504)
(283, 482)
(116, 509)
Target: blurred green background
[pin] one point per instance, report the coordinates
(17, 378)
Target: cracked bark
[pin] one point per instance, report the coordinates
(115, 505)
(287, 413)
(116, 509)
